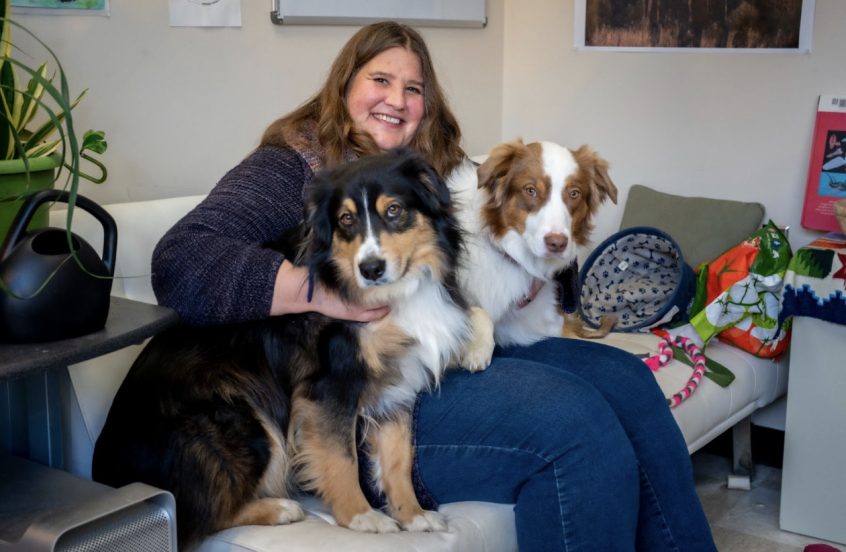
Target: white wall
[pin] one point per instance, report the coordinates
(735, 126)
(181, 106)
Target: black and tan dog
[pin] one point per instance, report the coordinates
(231, 418)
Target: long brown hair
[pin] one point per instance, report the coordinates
(438, 136)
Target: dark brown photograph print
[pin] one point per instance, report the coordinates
(693, 23)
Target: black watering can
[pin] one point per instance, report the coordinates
(73, 302)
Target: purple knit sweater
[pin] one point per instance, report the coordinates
(210, 267)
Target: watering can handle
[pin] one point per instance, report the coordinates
(18, 228)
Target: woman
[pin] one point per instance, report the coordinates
(576, 434)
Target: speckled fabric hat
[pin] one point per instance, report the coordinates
(638, 275)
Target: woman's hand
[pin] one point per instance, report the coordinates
(290, 296)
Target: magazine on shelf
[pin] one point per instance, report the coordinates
(827, 169)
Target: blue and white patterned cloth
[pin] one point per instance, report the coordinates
(636, 275)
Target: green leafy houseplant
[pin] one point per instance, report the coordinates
(25, 142)
(20, 106)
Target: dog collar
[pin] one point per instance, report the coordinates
(535, 286)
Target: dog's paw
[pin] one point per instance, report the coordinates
(427, 522)
(479, 349)
(374, 522)
(476, 360)
(289, 512)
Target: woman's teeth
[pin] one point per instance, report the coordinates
(392, 120)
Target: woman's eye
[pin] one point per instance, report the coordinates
(381, 80)
(530, 191)
(414, 90)
(346, 219)
(393, 211)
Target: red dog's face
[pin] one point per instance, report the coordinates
(544, 195)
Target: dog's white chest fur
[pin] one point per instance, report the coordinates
(489, 277)
(440, 330)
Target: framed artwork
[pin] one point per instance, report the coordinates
(61, 7)
(759, 26)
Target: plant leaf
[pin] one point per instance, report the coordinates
(94, 141)
(49, 127)
(11, 101)
(34, 90)
(43, 149)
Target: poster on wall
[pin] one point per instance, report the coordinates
(205, 13)
(61, 7)
(727, 26)
(827, 168)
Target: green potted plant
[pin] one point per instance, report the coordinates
(33, 152)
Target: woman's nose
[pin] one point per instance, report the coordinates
(396, 97)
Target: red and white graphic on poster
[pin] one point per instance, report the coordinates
(827, 169)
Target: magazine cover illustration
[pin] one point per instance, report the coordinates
(827, 171)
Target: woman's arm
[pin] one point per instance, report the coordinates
(211, 266)
(290, 295)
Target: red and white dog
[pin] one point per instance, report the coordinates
(526, 211)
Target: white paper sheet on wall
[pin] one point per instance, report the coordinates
(205, 13)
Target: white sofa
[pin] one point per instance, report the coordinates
(474, 526)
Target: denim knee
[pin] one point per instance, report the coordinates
(501, 426)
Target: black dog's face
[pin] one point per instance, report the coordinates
(379, 225)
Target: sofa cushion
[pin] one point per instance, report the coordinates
(712, 409)
(704, 228)
(473, 527)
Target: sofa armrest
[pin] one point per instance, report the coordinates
(92, 385)
(140, 224)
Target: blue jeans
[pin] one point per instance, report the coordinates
(578, 436)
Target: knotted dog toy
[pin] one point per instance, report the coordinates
(665, 355)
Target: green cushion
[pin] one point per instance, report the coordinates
(704, 228)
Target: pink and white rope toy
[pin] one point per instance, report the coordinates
(665, 355)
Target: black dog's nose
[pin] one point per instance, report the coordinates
(372, 269)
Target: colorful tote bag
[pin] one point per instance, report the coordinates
(737, 295)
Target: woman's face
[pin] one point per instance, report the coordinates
(386, 98)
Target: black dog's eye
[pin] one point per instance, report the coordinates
(346, 219)
(393, 211)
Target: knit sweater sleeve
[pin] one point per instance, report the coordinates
(210, 267)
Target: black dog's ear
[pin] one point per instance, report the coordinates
(318, 220)
(433, 192)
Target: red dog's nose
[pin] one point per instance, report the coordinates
(555, 243)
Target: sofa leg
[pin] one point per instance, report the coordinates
(743, 469)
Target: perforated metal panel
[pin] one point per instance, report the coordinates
(144, 527)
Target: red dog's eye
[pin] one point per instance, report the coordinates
(530, 191)
(575, 194)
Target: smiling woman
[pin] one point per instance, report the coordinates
(386, 98)
(576, 434)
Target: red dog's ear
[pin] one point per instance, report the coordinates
(498, 167)
(596, 170)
